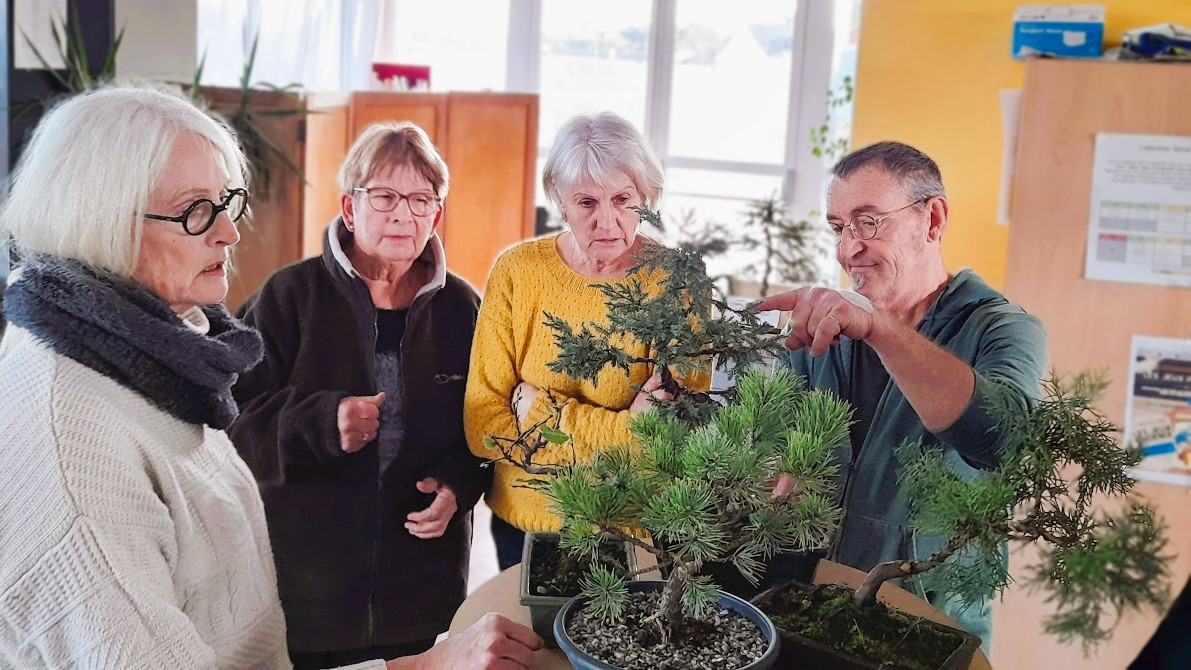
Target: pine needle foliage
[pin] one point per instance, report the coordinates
(704, 493)
(610, 592)
(698, 476)
(1093, 566)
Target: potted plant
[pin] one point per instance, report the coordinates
(1062, 460)
(789, 248)
(257, 112)
(697, 478)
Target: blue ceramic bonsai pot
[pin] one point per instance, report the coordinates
(581, 660)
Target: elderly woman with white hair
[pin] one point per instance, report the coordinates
(599, 168)
(131, 533)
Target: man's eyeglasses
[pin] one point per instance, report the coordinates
(864, 226)
(200, 215)
(421, 203)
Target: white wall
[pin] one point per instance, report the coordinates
(160, 39)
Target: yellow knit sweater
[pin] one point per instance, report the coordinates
(512, 345)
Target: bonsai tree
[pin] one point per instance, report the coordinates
(1062, 460)
(699, 474)
(778, 249)
(703, 492)
(683, 327)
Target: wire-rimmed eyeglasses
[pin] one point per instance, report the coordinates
(864, 226)
(384, 200)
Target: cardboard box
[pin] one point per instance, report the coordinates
(1068, 31)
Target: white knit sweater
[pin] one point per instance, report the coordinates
(128, 539)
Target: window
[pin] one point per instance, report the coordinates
(299, 41)
(221, 28)
(465, 42)
(749, 84)
(593, 58)
(728, 93)
(731, 86)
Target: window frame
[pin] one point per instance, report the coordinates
(810, 77)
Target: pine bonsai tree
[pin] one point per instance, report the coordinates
(702, 492)
(698, 475)
(1061, 461)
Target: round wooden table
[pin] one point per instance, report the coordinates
(499, 594)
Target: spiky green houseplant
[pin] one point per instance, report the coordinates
(1061, 461)
(698, 475)
(267, 155)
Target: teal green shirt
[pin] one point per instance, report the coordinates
(1006, 348)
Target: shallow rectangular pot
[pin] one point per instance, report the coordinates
(801, 652)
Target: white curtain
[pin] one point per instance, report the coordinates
(323, 45)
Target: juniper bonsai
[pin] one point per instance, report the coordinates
(698, 475)
(1061, 461)
(684, 326)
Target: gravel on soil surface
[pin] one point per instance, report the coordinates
(725, 640)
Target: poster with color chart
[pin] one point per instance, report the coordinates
(1140, 222)
(1158, 412)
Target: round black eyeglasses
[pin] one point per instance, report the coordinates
(200, 215)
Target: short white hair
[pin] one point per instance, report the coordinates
(595, 147)
(83, 184)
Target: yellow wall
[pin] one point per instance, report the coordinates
(929, 74)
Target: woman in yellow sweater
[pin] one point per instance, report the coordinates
(599, 167)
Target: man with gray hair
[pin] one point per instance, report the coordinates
(921, 353)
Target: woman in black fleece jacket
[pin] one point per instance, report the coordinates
(353, 423)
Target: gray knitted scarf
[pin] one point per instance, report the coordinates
(123, 331)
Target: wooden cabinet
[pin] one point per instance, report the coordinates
(489, 142)
(428, 110)
(491, 150)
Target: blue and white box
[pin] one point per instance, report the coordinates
(1069, 31)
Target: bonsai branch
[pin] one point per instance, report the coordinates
(529, 445)
(622, 536)
(1028, 530)
(530, 441)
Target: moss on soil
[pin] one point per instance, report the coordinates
(880, 634)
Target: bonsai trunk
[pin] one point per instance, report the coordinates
(867, 593)
(670, 610)
(669, 383)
